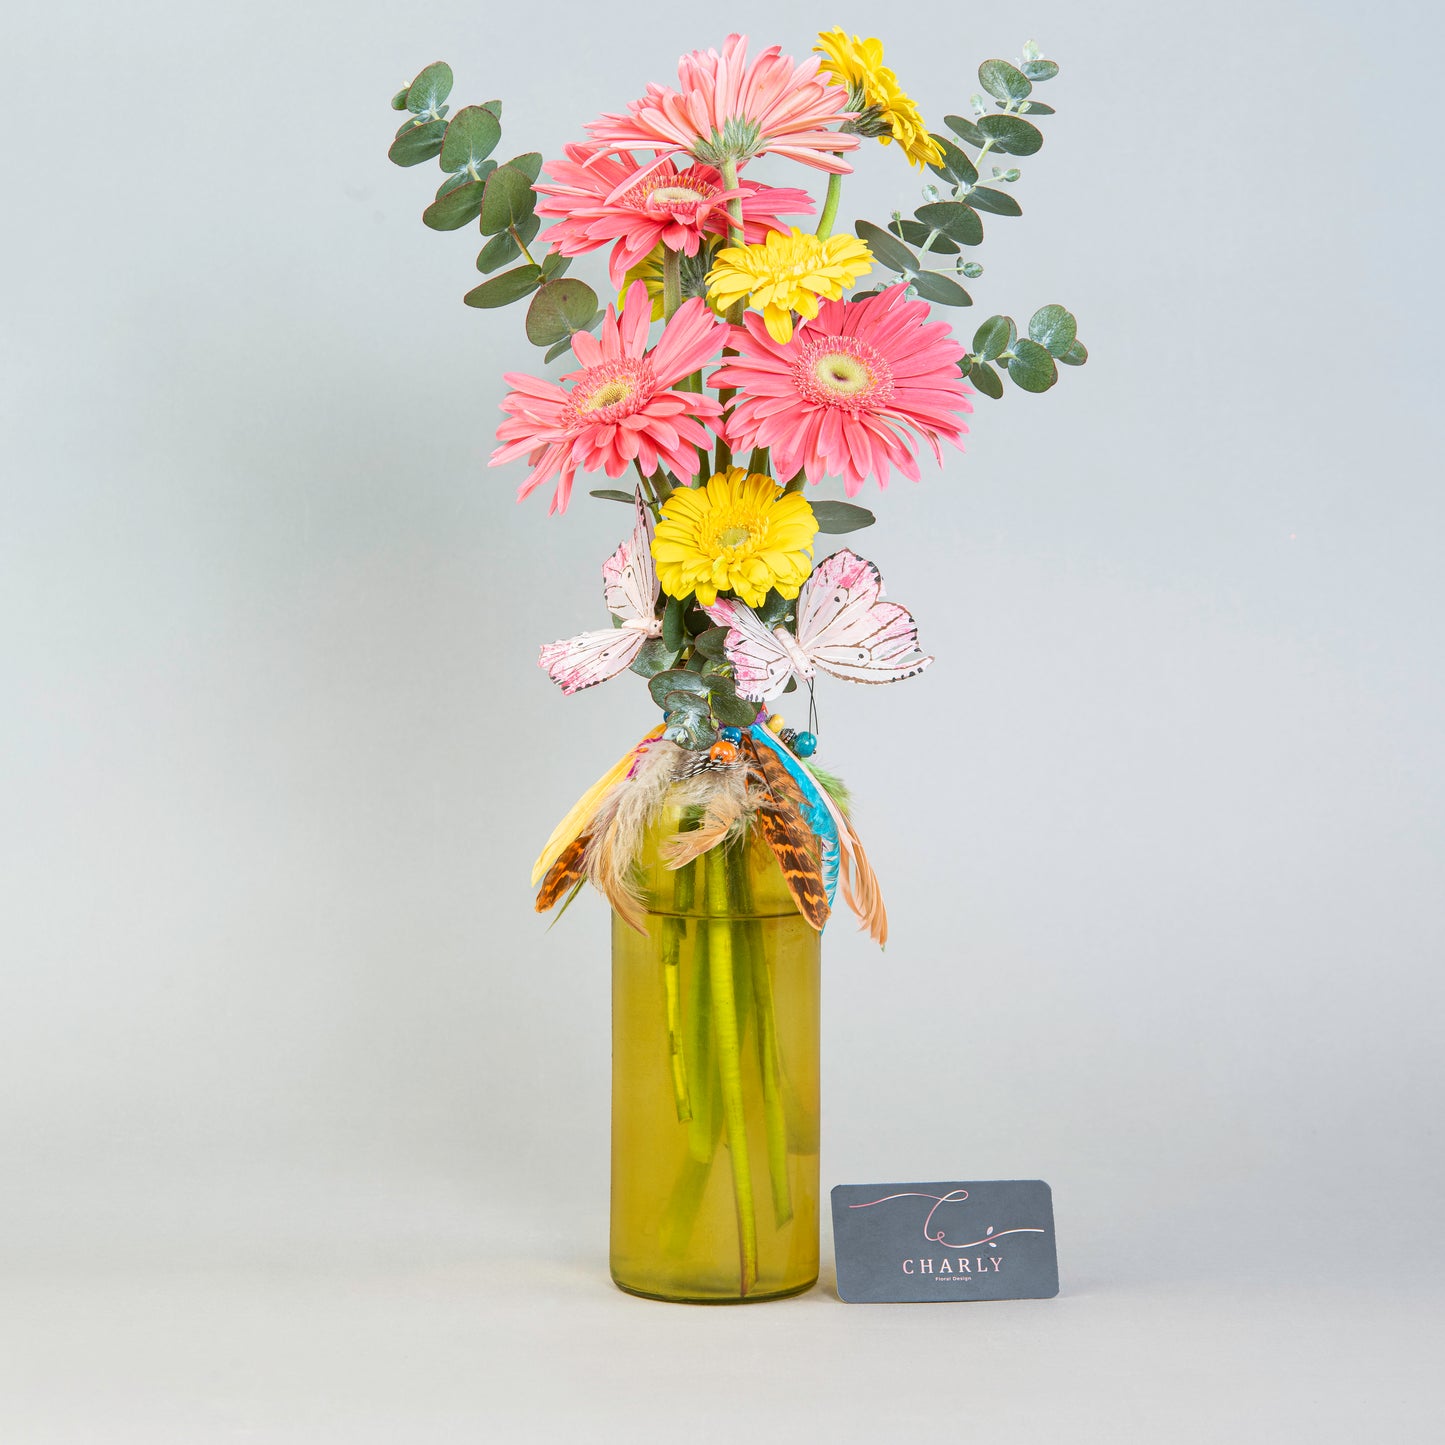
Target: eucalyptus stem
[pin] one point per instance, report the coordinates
(830, 206)
(723, 935)
(521, 244)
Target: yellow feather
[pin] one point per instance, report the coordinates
(583, 810)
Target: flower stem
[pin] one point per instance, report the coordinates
(671, 281)
(758, 462)
(735, 206)
(723, 934)
(830, 206)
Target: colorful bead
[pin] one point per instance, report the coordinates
(805, 745)
(723, 751)
(730, 735)
(775, 723)
(788, 735)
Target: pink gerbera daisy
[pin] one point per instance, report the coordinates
(598, 198)
(840, 397)
(621, 406)
(730, 110)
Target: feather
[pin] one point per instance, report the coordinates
(795, 847)
(818, 809)
(621, 821)
(724, 811)
(863, 893)
(585, 808)
(834, 787)
(565, 873)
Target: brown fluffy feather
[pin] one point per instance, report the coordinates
(564, 874)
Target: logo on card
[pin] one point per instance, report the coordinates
(955, 1262)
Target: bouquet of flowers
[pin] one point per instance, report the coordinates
(738, 367)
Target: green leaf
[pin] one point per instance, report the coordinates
(557, 348)
(456, 208)
(1076, 355)
(934, 286)
(530, 164)
(732, 711)
(653, 659)
(710, 643)
(1031, 367)
(495, 106)
(986, 379)
(1040, 69)
(503, 248)
(508, 201)
(965, 130)
(559, 309)
(999, 202)
(956, 220)
(676, 680)
(915, 233)
(417, 143)
(1037, 107)
(1004, 81)
(1053, 328)
(398, 101)
(838, 517)
(956, 166)
(774, 609)
(430, 88)
(994, 337)
(554, 263)
(888, 250)
(674, 634)
(1010, 135)
(472, 135)
(612, 494)
(464, 178)
(502, 290)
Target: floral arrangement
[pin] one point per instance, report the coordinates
(738, 367)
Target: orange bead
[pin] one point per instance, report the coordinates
(723, 751)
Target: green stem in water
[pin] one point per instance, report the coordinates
(830, 207)
(723, 934)
(674, 930)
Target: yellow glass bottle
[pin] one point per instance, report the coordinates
(715, 1080)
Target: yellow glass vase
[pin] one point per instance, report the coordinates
(714, 1080)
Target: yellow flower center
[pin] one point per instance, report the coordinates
(734, 536)
(842, 373)
(608, 394)
(668, 195)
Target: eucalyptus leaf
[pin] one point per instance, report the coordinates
(994, 337)
(1053, 328)
(915, 233)
(502, 290)
(530, 164)
(472, 135)
(986, 379)
(559, 309)
(430, 88)
(508, 201)
(956, 166)
(555, 264)
(965, 130)
(886, 249)
(495, 106)
(1004, 81)
(732, 711)
(1031, 366)
(956, 220)
(984, 198)
(934, 286)
(1040, 69)
(835, 518)
(455, 209)
(696, 663)
(417, 143)
(1076, 355)
(503, 246)
(774, 610)
(674, 634)
(696, 621)
(557, 348)
(612, 494)
(710, 643)
(654, 659)
(675, 680)
(1037, 107)
(1011, 135)
(398, 101)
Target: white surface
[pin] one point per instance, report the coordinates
(303, 1115)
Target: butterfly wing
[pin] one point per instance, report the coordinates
(761, 664)
(846, 628)
(591, 657)
(629, 577)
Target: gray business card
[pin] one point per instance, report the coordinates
(983, 1239)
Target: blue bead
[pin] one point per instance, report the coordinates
(730, 735)
(805, 745)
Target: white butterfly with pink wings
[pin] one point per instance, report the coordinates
(629, 585)
(844, 628)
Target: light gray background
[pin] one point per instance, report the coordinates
(304, 1115)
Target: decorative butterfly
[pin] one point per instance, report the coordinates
(629, 585)
(844, 627)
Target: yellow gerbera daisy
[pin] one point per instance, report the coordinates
(787, 273)
(740, 534)
(874, 91)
